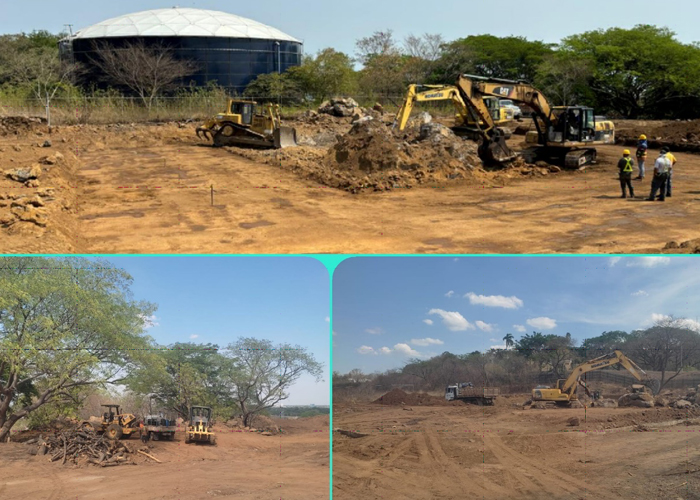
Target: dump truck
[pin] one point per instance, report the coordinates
(156, 427)
(114, 424)
(467, 392)
(248, 124)
(199, 428)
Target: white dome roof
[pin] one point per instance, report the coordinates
(183, 22)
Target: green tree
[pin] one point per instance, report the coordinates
(330, 73)
(511, 57)
(565, 79)
(264, 372)
(65, 324)
(274, 87)
(643, 71)
(604, 343)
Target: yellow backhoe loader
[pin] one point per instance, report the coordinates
(246, 123)
(114, 424)
(565, 390)
(465, 124)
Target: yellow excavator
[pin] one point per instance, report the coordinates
(246, 123)
(564, 134)
(565, 390)
(465, 124)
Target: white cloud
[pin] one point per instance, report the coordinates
(500, 346)
(484, 327)
(426, 342)
(150, 321)
(690, 324)
(519, 328)
(453, 320)
(449, 294)
(334, 333)
(542, 323)
(365, 349)
(194, 336)
(385, 350)
(614, 260)
(649, 262)
(494, 301)
(406, 350)
(375, 331)
(428, 321)
(328, 319)
(455, 259)
(640, 293)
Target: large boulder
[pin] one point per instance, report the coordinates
(24, 174)
(640, 400)
(682, 403)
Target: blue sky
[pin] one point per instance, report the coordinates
(219, 299)
(320, 23)
(388, 310)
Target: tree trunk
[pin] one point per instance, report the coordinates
(5, 429)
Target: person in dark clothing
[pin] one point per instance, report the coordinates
(626, 167)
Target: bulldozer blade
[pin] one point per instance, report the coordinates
(284, 137)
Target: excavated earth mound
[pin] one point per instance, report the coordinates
(17, 125)
(397, 397)
(679, 136)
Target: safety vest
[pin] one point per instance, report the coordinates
(628, 167)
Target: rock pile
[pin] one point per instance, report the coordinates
(641, 400)
(340, 107)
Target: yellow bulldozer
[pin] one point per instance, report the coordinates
(199, 428)
(248, 124)
(113, 423)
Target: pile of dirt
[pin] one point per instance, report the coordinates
(641, 400)
(651, 416)
(18, 125)
(678, 135)
(372, 156)
(397, 397)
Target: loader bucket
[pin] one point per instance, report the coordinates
(284, 137)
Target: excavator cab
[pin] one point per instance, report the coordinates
(571, 124)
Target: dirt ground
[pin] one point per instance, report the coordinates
(456, 452)
(246, 465)
(147, 189)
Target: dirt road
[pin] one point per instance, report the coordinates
(503, 452)
(133, 192)
(242, 465)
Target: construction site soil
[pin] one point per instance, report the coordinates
(511, 451)
(363, 188)
(293, 464)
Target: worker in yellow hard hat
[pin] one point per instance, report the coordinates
(642, 146)
(626, 167)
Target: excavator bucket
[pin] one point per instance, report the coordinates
(495, 151)
(284, 137)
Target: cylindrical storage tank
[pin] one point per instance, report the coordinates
(228, 50)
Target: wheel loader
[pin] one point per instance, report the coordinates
(248, 124)
(199, 428)
(114, 424)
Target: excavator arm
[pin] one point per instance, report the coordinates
(616, 357)
(434, 93)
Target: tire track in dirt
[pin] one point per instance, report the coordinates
(527, 470)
